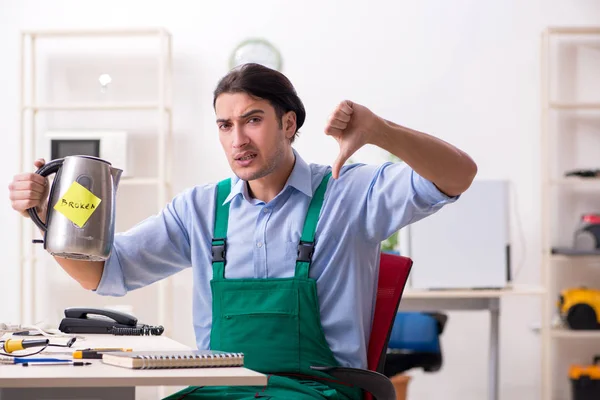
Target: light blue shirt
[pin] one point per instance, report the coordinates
(366, 205)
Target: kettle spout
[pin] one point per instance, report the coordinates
(116, 174)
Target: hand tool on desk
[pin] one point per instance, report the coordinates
(64, 362)
(95, 353)
(91, 353)
(21, 360)
(10, 345)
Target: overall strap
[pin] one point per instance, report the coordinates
(219, 241)
(306, 247)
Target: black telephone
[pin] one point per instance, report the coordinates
(82, 320)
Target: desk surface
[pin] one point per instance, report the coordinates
(472, 293)
(99, 374)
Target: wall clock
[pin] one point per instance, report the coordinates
(257, 51)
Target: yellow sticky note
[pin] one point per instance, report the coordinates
(77, 204)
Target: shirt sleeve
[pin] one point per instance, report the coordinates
(152, 250)
(388, 197)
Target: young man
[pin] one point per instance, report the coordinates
(285, 259)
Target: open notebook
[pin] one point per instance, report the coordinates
(173, 359)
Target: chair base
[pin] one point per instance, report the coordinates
(380, 387)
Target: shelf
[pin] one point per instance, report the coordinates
(563, 333)
(138, 181)
(592, 183)
(576, 258)
(94, 106)
(473, 293)
(574, 106)
(98, 32)
(575, 30)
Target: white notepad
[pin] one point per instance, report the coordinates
(173, 359)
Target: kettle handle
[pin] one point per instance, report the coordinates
(48, 169)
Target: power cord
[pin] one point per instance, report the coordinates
(49, 333)
(23, 355)
(141, 330)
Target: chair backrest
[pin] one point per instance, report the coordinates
(393, 274)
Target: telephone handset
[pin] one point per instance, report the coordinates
(117, 316)
(103, 321)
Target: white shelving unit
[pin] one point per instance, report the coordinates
(554, 185)
(560, 333)
(30, 108)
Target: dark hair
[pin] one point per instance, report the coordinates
(265, 83)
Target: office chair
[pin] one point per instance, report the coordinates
(393, 274)
(415, 342)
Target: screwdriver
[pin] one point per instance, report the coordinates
(94, 353)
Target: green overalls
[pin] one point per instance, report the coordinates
(276, 323)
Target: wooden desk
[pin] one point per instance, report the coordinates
(488, 299)
(103, 381)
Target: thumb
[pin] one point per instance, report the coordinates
(338, 164)
(39, 163)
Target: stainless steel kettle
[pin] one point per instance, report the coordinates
(80, 220)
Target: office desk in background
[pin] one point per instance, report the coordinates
(102, 381)
(474, 299)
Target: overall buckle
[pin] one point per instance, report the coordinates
(219, 247)
(305, 251)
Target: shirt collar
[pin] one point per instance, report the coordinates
(301, 176)
(300, 179)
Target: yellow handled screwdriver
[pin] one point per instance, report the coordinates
(11, 345)
(94, 353)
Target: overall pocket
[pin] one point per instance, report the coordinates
(264, 325)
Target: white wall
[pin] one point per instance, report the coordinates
(466, 71)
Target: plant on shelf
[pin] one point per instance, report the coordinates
(389, 245)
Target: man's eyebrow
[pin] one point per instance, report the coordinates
(251, 112)
(245, 115)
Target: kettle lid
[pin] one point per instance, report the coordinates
(91, 158)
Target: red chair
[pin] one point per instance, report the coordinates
(393, 274)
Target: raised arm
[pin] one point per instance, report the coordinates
(451, 170)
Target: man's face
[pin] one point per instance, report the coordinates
(255, 141)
